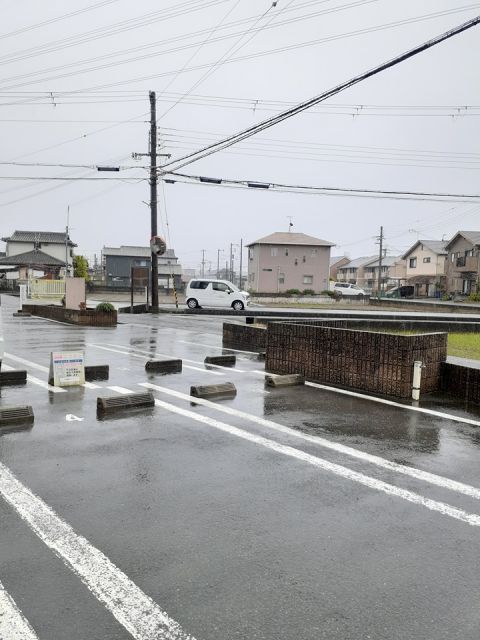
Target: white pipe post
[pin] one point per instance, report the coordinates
(417, 378)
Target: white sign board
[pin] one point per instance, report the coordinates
(67, 369)
(23, 295)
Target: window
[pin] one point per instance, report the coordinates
(426, 260)
(273, 251)
(286, 251)
(251, 277)
(412, 263)
(469, 254)
(452, 257)
(281, 278)
(220, 286)
(304, 259)
(307, 279)
(199, 284)
(266, 269)
(313, 253)
(250, 254)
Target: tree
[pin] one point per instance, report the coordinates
(80, 267)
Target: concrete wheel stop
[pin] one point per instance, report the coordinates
(163, 366)
(224, 390)
(289, 380)
(16, 417)
(228, 360)
(8, 378)
(109, 405)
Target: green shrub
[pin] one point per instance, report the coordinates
(474, 297)
(293, 292)
(445, 298)
(308, 292)
(105, 307)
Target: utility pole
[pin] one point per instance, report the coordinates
(203, 263)
(218, 263)
(241, 264)
(153, 195)
(66, 242)
(380, 257)
(231, 262)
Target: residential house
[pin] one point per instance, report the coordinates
(463, 262)
(392, 273)
(54, 244)
(119, 261)
(335, 263)
(354, 271)
(31, 264)
(283, 261)
(425, 265)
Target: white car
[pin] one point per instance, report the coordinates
(215, 293)
(348, 289)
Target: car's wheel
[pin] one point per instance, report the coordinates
(192, 303)
(238, 305)
(338, 294)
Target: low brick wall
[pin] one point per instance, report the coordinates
(462, 382)
(244, 335)
(85, 317)
(379, 363)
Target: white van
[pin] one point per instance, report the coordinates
(215, 293)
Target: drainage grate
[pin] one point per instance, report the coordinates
(125, 402)
(16, 416)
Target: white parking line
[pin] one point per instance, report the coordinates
(392, 403)
(40, 367)
(425, 476)
(344, 472)
(13, 624)
(37, 381)
(136, 355)
(136, 611)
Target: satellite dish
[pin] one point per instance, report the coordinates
(158, 245)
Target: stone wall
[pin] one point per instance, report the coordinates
(462, 382)
(378, 363)
(84, 317)
(244, 336)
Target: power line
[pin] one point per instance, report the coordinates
(303, 106)
(320, 190)
(38, 25)
(250, 56)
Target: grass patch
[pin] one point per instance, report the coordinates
(464, 345)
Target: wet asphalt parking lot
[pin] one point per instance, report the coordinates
(298, 513)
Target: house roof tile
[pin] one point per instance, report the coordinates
(52, 237)
(32, 258)
(291, 238)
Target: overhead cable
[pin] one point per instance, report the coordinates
(174, 176)
(181, 162)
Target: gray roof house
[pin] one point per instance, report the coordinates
(463, 262)
(33, 246)
(118, 263)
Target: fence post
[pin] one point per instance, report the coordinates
(417, 379)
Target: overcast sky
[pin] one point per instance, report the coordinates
(73, 92)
